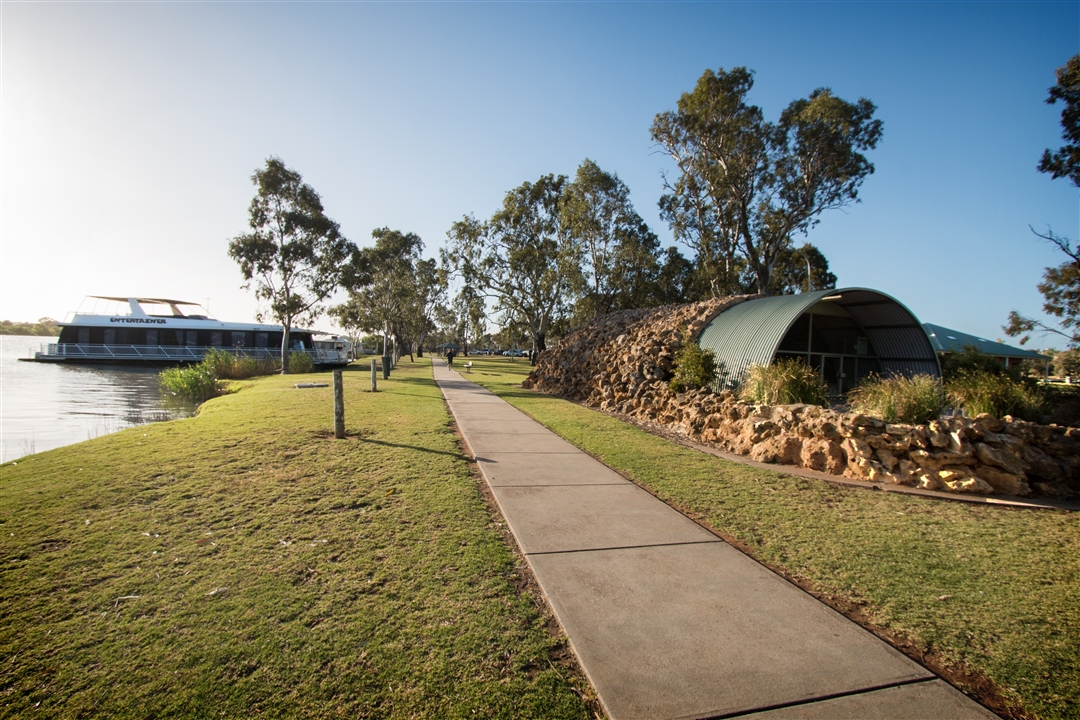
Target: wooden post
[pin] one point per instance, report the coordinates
(374, 366)
(339, 406)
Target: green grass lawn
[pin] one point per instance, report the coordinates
(986, 591)
(244, 562)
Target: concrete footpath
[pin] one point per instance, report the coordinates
(666, 619)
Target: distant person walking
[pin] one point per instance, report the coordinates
(450, 358)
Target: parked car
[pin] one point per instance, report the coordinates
(514, 353)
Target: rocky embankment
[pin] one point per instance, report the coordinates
(622, 362)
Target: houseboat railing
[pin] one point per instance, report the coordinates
(175, 353)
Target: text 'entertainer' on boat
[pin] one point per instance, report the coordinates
(161, 331)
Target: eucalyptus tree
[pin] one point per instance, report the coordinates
(676, 279)
(381, 281)
(429, 291)
(746, 186)
(618, 248)
(294, 253)
(1060, 287)
(523, 257)
(470, 316)
(789, 274)
(1065, 161)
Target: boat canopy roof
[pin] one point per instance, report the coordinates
(162, 301)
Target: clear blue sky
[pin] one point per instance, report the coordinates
(130, 130)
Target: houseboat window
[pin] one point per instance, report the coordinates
(84, 336)
(151, 337)
(261, 338)
(215, 338)
(110, 336)
(191, 338)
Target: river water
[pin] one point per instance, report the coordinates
(48, 405)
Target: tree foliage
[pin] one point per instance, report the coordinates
(789, 272)
(695, 367)
(619, 251)
(429, 292)
(1060, 287)
(523, 257)
(746, 186)
(384, 285)
(1065, 162)
(294, 252)
(469, 314)
(44, 327)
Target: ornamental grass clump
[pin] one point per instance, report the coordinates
(300, 362)
(203, 381)
(194, 382)
(915, 400)
(228, 366)
(785, 382)
(996, 394)
(694, 367)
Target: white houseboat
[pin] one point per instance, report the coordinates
(161, 331)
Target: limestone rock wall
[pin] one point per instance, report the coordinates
(622, 362)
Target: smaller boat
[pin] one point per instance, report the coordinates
(172, 332)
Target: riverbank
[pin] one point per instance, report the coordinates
(50, 405)
(245, 562)
(988, 597)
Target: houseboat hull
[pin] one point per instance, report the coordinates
(165, 355)
(131, 335)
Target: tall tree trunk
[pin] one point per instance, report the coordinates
(285, 348)
(538, 346)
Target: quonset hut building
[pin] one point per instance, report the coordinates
(847, 334)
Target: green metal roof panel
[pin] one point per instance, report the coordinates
(750, 332)
(948, 341)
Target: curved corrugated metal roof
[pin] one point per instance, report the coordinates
(751, 332)
(954, 341)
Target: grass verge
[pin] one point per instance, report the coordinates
(244, 562)
(990, 595)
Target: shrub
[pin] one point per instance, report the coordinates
(1067, 362)
(203, 381)
(916, 400)
(227, 366)
(300, 362)
(694, 367)
(786, 382)
(194, 382)
(971, 360)
(998, 395)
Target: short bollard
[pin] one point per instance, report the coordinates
(374, 387)
(385, 367)
(339, 406)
